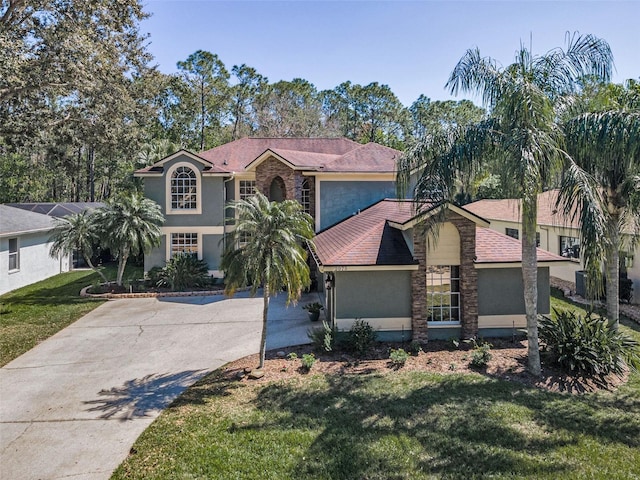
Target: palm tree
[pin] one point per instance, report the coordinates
(266, 249)
(521, 130)
(76, 232)
(603, 181)
(129, 226)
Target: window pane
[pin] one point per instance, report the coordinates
(183, 189)
(443, 293)
(184, 243)
(14, 263)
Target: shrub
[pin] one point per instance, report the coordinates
(184, 271)
(361, 337)
(322, 339)
(480, 355)
(415, 347)
(587, 345)
(292, 356)
(398, 357)
(308, 359)
(625, 292)
(154, 275)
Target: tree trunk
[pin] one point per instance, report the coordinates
(530, 280)
(265, 312)
(122, 262)
(612, 265)
(87, 259)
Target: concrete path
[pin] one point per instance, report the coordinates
(73, 406)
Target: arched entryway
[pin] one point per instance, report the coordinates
(277, 190)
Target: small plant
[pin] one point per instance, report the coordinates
(292, 356)
(452, 366)
(481, 355)
(361, 337)
(308, 360)
(323, 339)
(415, 347)
(453, 343)
(314, 307)
(314, 310)
(398, 357)
(587, 345)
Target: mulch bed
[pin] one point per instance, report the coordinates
(508, 362)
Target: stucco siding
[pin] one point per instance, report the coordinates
(385, 294)
(211, 197)
(212, 248)
(339, 200)
(445, 249)
(157, 256)
(500, 291)
(35, 264)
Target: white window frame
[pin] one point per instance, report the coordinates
(435, 277)
(170, 210)
(14, 254)
(246, 189)
(187, 240)
(305, 196)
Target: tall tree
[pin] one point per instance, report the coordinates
(266, 249)
(244, 93)
(602, 180)
(202, 95)
(129, 225)
(289, 109)
(522, 127)
(76, 232)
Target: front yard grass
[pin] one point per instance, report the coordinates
(394, 425)
(33, 313)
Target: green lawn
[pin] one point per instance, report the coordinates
(400, 425)
(33, 313)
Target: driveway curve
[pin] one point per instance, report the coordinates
(73, 406)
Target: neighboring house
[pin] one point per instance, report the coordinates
(380, 267)
(59, 210)
(556, 234)
(24, 249)
(370, 252)
(332, 178)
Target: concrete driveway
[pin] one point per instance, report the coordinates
(73, 406)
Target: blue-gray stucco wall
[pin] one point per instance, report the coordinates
(212, 197)
(500, 291)
(373, 294)
(339, 200)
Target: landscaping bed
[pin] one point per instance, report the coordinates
(508, 362)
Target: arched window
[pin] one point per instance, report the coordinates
(305, 196)
(184, 189)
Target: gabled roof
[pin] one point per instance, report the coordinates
(309, 154)
(15, 221)
(374, 237)
(158, 167)
(366, 238)
(510, 210)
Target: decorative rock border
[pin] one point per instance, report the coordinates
(198, 293)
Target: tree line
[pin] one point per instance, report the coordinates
(82, 106)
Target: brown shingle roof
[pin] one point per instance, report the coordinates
(368, 239)
(509, 210)
(322, 154)
(495, 247)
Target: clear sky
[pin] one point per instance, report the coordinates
(412, 46)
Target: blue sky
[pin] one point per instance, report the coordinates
(412, 46)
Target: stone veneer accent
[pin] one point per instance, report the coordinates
(271, 168)
(468, 280)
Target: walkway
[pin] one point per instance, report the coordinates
(73, 406)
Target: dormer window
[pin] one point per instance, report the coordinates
(184, 193)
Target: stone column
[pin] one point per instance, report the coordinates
(419, 287)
